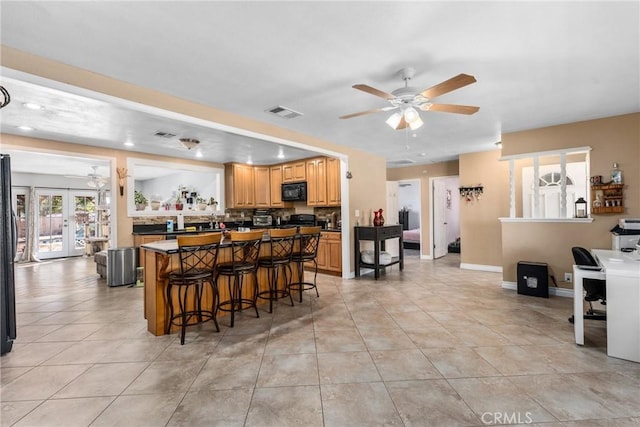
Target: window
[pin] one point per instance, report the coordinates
(547, 185)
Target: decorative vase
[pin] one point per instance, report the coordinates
(141, 206)
(155, 206)
(378, 219)
(179, 206)
(202, 206)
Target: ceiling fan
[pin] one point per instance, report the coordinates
(409, 100)
(94, 179)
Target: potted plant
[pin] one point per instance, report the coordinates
(213, 203)
(201, 203)
(140, 200)
(179, 205)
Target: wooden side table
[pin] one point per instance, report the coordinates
(378, 235)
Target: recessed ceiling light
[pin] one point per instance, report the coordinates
(249, 162)
(280, 154)
(129, 144)
(33, 106)
(198, 153)
(25, 128)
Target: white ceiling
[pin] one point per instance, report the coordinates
(537, 64)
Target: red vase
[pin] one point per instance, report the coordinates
(378, 219)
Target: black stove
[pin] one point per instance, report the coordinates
(302, 219)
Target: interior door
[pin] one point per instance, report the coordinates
(66, 219)
(439, 218)
(391, 217)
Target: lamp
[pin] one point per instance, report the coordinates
(581, 208)
(189, 143)
(409, 116)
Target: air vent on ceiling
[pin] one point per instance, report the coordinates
(164, 134)
(284, 112)
(400, 162)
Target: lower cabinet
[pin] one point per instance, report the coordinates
(141, 239)
(330, 252)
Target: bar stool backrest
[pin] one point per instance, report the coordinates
(198, 254)
(281, 242)
(309, 241)
(245, 248)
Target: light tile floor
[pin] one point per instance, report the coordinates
(431, 346)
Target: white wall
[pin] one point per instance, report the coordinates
(19, 179)
(165, 188)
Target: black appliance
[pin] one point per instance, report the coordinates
(8, 244)
(533, 279)
(305, 220)
(294, 192)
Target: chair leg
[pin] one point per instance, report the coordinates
(287, 282)
(182, 298)
(170, 305)
(255, 292)
(215, 297)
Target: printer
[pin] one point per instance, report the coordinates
(626, 234)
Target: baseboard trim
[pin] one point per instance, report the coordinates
(558, 292)
(479, 267)
(426, 256)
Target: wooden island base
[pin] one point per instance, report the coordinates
(161, 257)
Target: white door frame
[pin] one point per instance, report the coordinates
(432, 211)
(68, 247)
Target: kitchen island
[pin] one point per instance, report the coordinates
(161, 257)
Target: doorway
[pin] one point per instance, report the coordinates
(445, 216)
(66, 219)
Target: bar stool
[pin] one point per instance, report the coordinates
(281, 243)
(309, 238)
(245, 250)
(198, 257)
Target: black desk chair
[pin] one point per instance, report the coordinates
(186, 286)
(595, 289)
(245, 250)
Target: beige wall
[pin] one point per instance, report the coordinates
(423, 173)
(480, 233)
(367, 189)
(613, 139)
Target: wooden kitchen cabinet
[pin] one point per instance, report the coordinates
(329, 252)
(294, 172)
(317, 182)
(262, 186)
(276, 188)
(141, 239)
(239, 186)
(333, 182)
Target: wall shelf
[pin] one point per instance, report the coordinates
(608, 198)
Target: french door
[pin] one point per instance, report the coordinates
(66, 219)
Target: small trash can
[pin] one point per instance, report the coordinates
(121, 266)
(533, 279)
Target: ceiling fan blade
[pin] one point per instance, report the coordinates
(403, 123)
(374, 91)
(362, 113)
(453, 83)
(450, 108)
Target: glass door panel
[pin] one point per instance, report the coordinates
(51, 223)
(20, 209)
(83, 225)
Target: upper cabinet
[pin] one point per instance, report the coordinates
(262, 186)
(240, 186)
(333, 182)
(294, 172)
(317, 182)
(276, 188)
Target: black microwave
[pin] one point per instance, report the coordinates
(294, 192)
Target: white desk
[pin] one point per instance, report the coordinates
(622, 273)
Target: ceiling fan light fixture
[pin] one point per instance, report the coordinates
(416, 123)
(189, 143)
(411, 115)
(394, 120)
